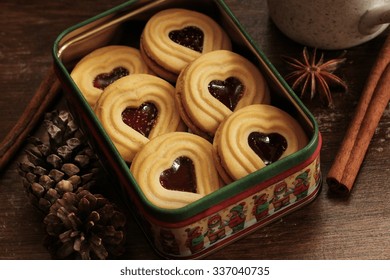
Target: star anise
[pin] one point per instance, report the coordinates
(315, 76)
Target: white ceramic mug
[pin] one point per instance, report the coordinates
(330, 24)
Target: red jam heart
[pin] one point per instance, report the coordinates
(141, 119)
(180, 177)
(190, 37)
(269, 147)
(229, 92)
(103, 80)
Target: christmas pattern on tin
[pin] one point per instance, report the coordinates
(230, 222)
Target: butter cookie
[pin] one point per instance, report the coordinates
(176, 169)
(254, 137)
(135, 109)
(174, 37)
(213, 86)
(94, 72)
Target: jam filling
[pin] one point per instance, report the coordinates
(103, 80)
(229, 92)
(141, 119)
(190, 37)
(180, 177)
(269, 147)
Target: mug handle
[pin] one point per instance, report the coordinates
(373, 19)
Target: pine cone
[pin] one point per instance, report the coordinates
(84, 225)
(62, 163)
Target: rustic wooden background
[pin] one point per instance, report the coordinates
(332, 227)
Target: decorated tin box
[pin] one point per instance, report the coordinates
(234, 210)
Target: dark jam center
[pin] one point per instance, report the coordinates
(103, 80)
(180, 177)
(269, 147)
(141, 119)
(229, 92)
(190, 37)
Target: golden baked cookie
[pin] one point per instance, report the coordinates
(94, 72)
(174, 37)
(176, 169)
(137, 108)
(213, 86)
(254, 137)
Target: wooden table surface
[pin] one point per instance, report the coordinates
(331, 227)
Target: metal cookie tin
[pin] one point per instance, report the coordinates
(231, 212)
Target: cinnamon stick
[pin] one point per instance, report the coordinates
(42, 98)
(372, 103)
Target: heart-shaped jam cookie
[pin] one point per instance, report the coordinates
(135, 109)
(172, 38)
(103, 66)
(103, 80)
(180, 177)
(190, 37)
(213, 86)
(269, 147)
(176, 169)
(229, 92)
(141, 119)
(253, 137)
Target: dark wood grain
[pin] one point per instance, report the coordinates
(332, 227)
